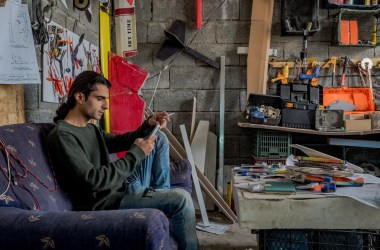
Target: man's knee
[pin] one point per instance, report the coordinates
(183, 198)
(161, 138)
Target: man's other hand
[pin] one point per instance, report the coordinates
(146, 145)
(161, 118)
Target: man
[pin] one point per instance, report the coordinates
(140, 179)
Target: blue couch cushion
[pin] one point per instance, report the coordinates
(180, 175)
(32, 184)
(84, 230)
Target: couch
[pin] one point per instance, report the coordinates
(35, 213)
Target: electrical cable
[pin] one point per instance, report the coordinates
(14, 175)
(3, 146)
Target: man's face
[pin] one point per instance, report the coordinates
(96, 103)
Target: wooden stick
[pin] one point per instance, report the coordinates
(177, 152)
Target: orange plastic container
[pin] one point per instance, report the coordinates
(360, 97)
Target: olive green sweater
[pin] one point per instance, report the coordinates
(80, 156)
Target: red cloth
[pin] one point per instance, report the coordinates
(126, 106)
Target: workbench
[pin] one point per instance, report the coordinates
(307, 131)
(301, 211)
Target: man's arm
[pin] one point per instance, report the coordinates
(78, 166)
(117, 143)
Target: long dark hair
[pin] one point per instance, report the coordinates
(84, 83)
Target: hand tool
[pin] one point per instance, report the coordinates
(367, 64)
(282, 77)
(332, 62)
(342, 79)
(361, 74)
(303, 54)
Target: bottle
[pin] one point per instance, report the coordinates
(374, 2)
(367, 2)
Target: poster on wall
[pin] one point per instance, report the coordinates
(18, 61)
(65, 56)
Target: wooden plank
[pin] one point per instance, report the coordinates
(210, 165)
(12, 104)
(199, 144)
(197, 187)
(259, 43)
(177, 152)
(192, 129)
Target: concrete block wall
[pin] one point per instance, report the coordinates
(174, 83)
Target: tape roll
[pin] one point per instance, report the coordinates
(81, 4)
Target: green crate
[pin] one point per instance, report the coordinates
(271, 144)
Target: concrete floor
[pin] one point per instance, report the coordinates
(233, 239)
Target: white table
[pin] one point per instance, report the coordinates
(260, 211)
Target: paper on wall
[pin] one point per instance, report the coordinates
(18, 61)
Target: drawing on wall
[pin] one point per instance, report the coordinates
(18, 61)
(65, 56)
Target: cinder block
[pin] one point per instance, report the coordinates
(176, 100)
(164, 10)
(192, 77)
(246, 10)
(156, 32)
(39, 116)
(236, 78)
(162, 82)
(231, 149)
(206, 35)
(214, 52)
(208, 100)
(142, 32)
(143, 10)
(31, 96)
(229, 10)
(143, 58)
(232, 32)
(243, 100)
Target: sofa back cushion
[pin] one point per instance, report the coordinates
(32, 184)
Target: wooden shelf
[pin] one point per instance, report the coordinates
(306, 131)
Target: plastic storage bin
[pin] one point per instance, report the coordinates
(356, 28)
(296, 14)
(293, 239)
(271, 144)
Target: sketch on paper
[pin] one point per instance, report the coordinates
(18, 61)
(65, 56)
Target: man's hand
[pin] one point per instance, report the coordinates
(146, 145)
(161, 118)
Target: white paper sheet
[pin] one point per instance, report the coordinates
(18, 61)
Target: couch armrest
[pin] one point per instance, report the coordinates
(180, 175)
(113, 229)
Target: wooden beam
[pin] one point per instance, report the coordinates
(177, 152)
(259, 43)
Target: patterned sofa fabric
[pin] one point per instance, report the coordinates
(115, 229)
(33, 204)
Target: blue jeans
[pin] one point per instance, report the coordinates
(149, 187)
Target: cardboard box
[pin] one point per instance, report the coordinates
(375, 121)
(354, 117)
(358, 125)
